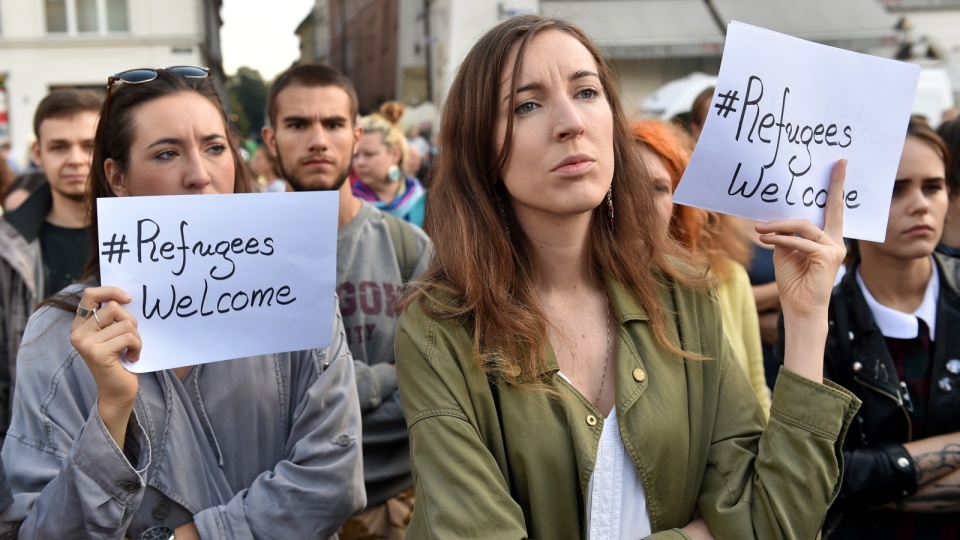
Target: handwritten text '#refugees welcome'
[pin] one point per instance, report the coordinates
(768, 122)
(215, 296)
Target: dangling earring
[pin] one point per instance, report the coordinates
(610, 208)
(394, 174)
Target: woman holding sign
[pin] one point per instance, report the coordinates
(562, 365)
(262, 447)
(894, 342)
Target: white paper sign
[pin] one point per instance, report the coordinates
(218, 277)
(784, 111)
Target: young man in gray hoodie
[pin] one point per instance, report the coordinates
(313, 133)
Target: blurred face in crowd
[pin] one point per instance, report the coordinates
(414, 161)
(65, 152)
(660, 182)
(262, 164)
(315, 136)
(179, 147)
(561, 156)
(374, 159)
(918, 207)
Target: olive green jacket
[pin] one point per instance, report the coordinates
(693, 429)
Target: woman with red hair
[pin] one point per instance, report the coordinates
(716, 236)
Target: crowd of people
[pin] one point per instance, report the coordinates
(558, 351)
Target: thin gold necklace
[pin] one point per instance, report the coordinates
(606, 360)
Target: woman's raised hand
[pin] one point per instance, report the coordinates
(101, 331)
(807, 260)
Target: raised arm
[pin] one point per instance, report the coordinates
(66, 470)
(807, 260)
(100, 334)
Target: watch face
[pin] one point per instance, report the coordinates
(160, 532)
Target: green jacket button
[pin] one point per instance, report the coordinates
(591, 420)
(639, 375)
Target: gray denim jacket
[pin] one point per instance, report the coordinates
(263, 447)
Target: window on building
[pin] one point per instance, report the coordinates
(73, 17)
(56, 16)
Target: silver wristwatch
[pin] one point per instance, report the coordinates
(160, 532)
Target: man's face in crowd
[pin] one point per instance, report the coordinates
(64, 151)
(315, 136)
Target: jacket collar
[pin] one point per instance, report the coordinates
(29, 217)
(949, 274)
(624, 304)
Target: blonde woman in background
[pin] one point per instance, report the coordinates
(378, 166)
(716, 236)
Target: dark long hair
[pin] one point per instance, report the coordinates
(113, 140)
(950, 133)
(495, 292)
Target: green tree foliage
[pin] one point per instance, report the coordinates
(248, 99)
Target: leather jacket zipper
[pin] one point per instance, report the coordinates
(898, 398)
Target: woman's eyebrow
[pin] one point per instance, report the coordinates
(178, 142)
(583, 73)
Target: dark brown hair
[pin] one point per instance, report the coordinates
(701, 106)
(113, 140)
(949, 132)
(495, 292)
(921, 130)
(311, 75)
(64, 104)
(7, 179)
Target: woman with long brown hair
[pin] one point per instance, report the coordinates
(562, 366)
(258, 447)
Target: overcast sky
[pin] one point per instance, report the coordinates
(260, 34)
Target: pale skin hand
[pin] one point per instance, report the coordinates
(805, 272)
(101, 348)
(697, 530)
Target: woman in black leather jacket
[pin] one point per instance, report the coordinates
(894, 341)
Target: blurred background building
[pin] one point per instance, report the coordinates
(665, 50)
(408, 49)
(50, 44)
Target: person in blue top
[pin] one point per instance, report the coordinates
(378, 167)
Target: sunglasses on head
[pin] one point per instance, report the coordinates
(144, 75)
